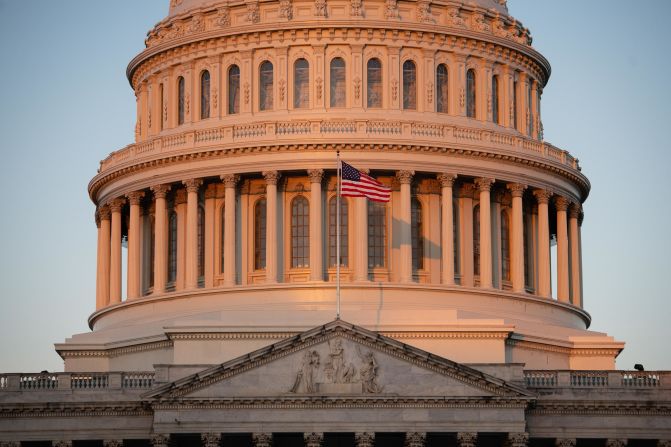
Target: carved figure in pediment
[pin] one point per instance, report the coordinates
(336, 369)
(368, 373)
(306, 375)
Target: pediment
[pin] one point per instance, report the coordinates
(338, 360)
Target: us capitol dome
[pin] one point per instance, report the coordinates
(217, 259)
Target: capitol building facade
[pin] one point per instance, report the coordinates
(217, 325)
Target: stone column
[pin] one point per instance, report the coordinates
(565, 442)
(103, 271)
(518, 439)
(115, 251)
(133, 281)
(262, 439)
(415, 439)
(616, 442)
(364, 439)
(160, 238)
(210, 212)
(517, 239)
(405, 239)
(316, 243)
(160, 440)
(230, 180)
(210, 439)
(361, 249)
(467, 439)
(113, 443)
(180, 209)
(544, 276)
(574, 240)
(272, 177)
(561, 203)
(466, 233)
(313, 439)
(447, 228)
(191, 255)
(485, 186)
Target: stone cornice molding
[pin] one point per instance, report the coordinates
(135, 197)
(79, 409)
(271, 177)
(484, 184)
(192, 185)
(115, 352)
(446, 179)
(316, 175)
(230, 180)
(160, 191)
(601, 408)
(536, 346)
(405, 177)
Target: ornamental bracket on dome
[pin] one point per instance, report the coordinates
(391, 9)
(320, 8)
(253, 15)
(355, 8)
(286, 9)
(424, 11)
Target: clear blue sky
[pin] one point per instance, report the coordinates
(65, 104)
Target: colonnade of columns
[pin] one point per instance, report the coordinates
(186, 199)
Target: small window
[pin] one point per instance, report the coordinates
(343, 232)
(374, 87)
(409, 85)
(266, 86)
(377, 234)
(495, 99)
(205, 95)
(301, 84)
(181, 100)
(300, 233)
(442, 89)
(338, 78)
(470, 93)
(260, 235)
(233, 90)
(417, 230)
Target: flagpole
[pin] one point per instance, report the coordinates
(338, 237)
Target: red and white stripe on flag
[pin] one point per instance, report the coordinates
(357, 184)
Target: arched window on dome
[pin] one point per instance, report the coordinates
(470, 93)
(343, 232)
(222, 234)
(204, 95)
(181, 86)
(338, 90)
(442, 89)
(300, 233)
(417, 235)
(260, 234)
(409, 85)
(172, 247)
(476, 240)
(495, 99)
(505, 245)
(233, 90)
(377, 234)
(515, 93)
(201, 245)
(301, 84)
(374, 83)
(266, 86)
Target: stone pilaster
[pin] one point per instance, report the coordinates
(191, 249)
(518, 439)
(316, 256)
(415, 439)
(313, 439)
(272, 177)
(561, 204)
(262, 439)
(364, 439)
(230, 181)
(160, 440)
(544, 274)
(210, 439)
(467, 439)
(447, 227)
(517, 239)
(405, 179)
(484, 185)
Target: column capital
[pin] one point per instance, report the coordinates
(405, 177)
(542, 195)
(574, 210)
(446, 178)
(484, 183)
(316, 175)
(104, 212)
(466, 190)
(210, 439)
(616, 442)
(192, 184)
(272, 177)
(313, 439)
(160, 440)
(115, 205)
(160, 191)
(467, 439)
(565, 442)
(561, 203)
(415, 439)
(364, 439)
(516, 189)
(518, 439)
(135, 197)
(113, 443)
(262, 439)
(230, 180)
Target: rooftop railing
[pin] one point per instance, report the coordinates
(597, 379)
(76, 381)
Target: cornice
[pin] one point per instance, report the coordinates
(602, 408)
(83, 409)
(536, 346)
(115, 352)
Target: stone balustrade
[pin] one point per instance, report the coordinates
(44, 382)
(597, 379)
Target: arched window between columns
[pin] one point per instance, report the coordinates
(505, 245)
(181, 86)
(470, 93)
(300, 233)
(233, 90)
(409, 85)
(344, 252)
(338, 89)
(417, 235)
(374, 83)
(204, 95)
(442, 90)
(495, 99)
(301, 84)
(172, 247)
(260, 234)
(377, 234)
(266, 86)
(476, 240)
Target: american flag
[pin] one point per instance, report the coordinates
(358, 184)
